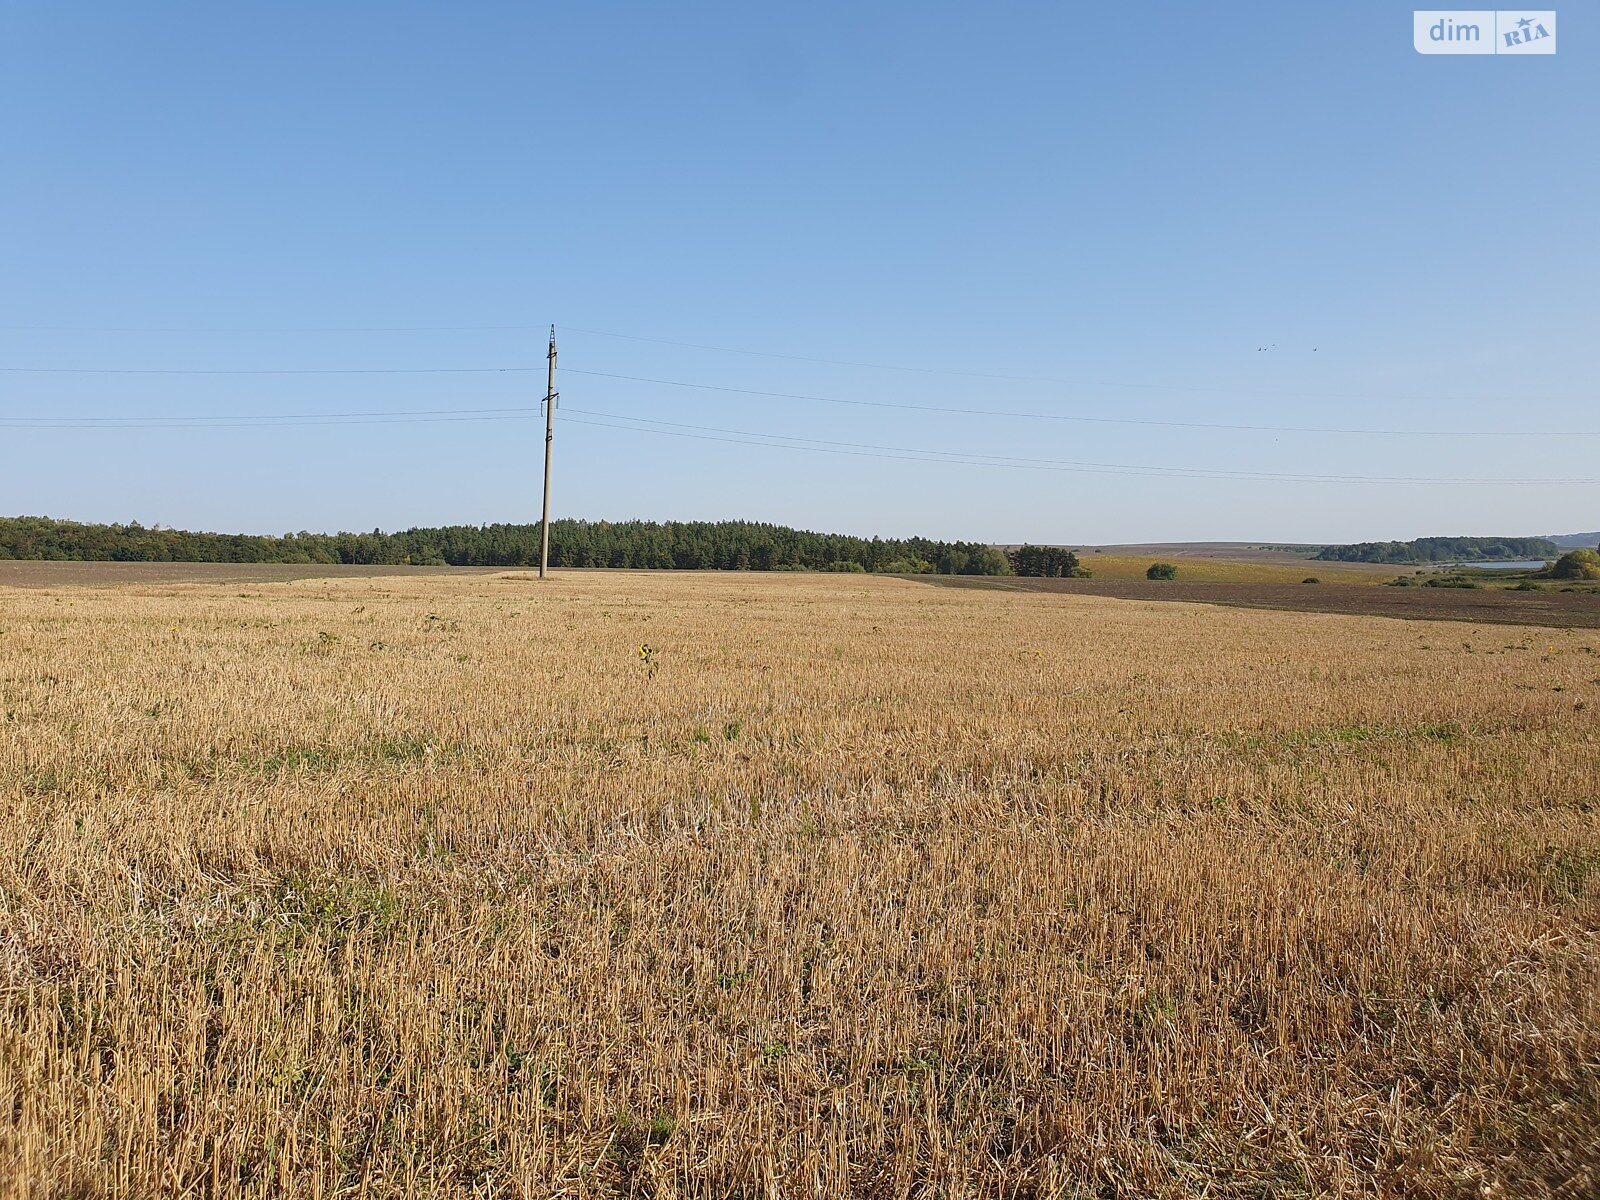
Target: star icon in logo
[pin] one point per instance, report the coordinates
(1524, 23)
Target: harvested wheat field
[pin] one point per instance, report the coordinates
(789, 886)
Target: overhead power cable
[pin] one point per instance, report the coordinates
(136, 421)
(859, 450)
(1272, 393)
(265, 370)
(274, 423)
(1147, 422)
(1045, 416)
(267, 329)
(708, 346)
(656, 341)
(1065, 464)
(748, 437)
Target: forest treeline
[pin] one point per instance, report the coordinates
(1443, 549)
(680, 545)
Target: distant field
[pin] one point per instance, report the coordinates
(1210, 569)
(1228, 551)
(1559, 609)
(29, 573)
(709, 885)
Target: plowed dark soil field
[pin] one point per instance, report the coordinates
(1559, 609)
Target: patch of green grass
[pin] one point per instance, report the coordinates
(404, 749)
(921, 1063)
(1158, 1007)
(1567, 872)
(1435, 731)
(44, 783)
(309, 759)
(634, 1135)
(331, 904)
(297, 758)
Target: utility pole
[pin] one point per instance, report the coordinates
(549, 437)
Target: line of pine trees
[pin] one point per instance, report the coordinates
(679, 545)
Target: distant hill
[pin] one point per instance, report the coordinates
(1576, 541)
(1443, 549)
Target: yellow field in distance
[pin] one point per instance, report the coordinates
(1195, 569)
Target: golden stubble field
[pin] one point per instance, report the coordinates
(442, 886)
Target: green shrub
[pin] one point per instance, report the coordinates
(1161, 570)
(1577, 564)
(987, 560)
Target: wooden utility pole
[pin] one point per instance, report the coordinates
(549, 437)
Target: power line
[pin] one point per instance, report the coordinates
(805, 358)
(265, 370)
(658, 341)
(266, 329)
(833, 362)
(69, 422)
(747, 437)
(1044, 416)
(887, 404)
(1110, 383)
(738, 437)
(1019, 460)
(953, 459)
(264, 422)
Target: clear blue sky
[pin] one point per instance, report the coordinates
(1122, 204)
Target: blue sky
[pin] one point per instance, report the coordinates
(1117, 207)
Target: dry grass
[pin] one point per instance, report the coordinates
(440, 887)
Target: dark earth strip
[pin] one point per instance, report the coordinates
(1559, 609)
